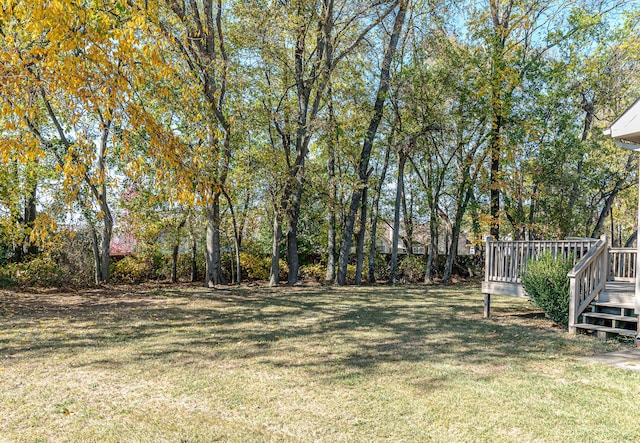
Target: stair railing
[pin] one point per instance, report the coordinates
(587, 279)
(622, 265)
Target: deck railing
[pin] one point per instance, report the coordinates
(587, 279)
(622, 264)
(507, 260)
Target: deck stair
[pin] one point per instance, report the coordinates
(613, 313)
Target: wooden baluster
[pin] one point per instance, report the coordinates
(505, 262)
(512, 263)
(574, 284)
(518, 263)
(488, 261)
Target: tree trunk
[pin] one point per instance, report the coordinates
(589, 109)
(274, 274)
(433, 245)
(274, 277)
(461, 209)
(360, 245)
(494, 178)
(107, 228)
(631, 239)
(608, 203)
(311, 75)
(292, 240)
(452, 255)
(331, 170)
(371, 277)
(237, 237)
(232, 266)
(367, 145)
(500, 17)
(175, 252)
(95, 246)
(105, 249)
(236, 246)
(30, 214)
(407, 214)
(402, 159)
(194, 258)
(531, 232)
(174, 262)
(331, 247)
(26, 220)
(214, 274)
(613, 236)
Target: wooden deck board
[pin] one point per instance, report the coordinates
(503, 288)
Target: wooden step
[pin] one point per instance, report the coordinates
(608, 304)
(617, 297)
(619, 331)
(610, 316)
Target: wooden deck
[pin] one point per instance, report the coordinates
(602, 280)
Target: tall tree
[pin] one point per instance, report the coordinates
(367, 145)
(304, 53)
(68, 83)
(197, 33)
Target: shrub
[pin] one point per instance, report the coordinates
(413, 267)
(133, 269)
(283, 268)
(184, 265)
(545, 281)
(42, 271)
(75, 259)
(381, 266)
(351, 274)
(255, 268)
(65, 261)
(6, 277)
(315, 271)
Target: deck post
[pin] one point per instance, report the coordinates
(573, 304)
(605, 263)
(487, 297)
(487, 305)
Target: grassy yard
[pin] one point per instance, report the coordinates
(301, 364)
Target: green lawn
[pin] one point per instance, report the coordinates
(301, 364)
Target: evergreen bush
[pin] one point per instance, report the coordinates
(545, 281)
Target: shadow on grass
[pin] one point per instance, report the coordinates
(335, 332)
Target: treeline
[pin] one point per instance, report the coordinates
(258, 138)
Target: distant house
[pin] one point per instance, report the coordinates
(122, 245)
(421, 242)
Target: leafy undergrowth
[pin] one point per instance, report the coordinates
(300, 364)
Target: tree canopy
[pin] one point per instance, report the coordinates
(263, 137)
